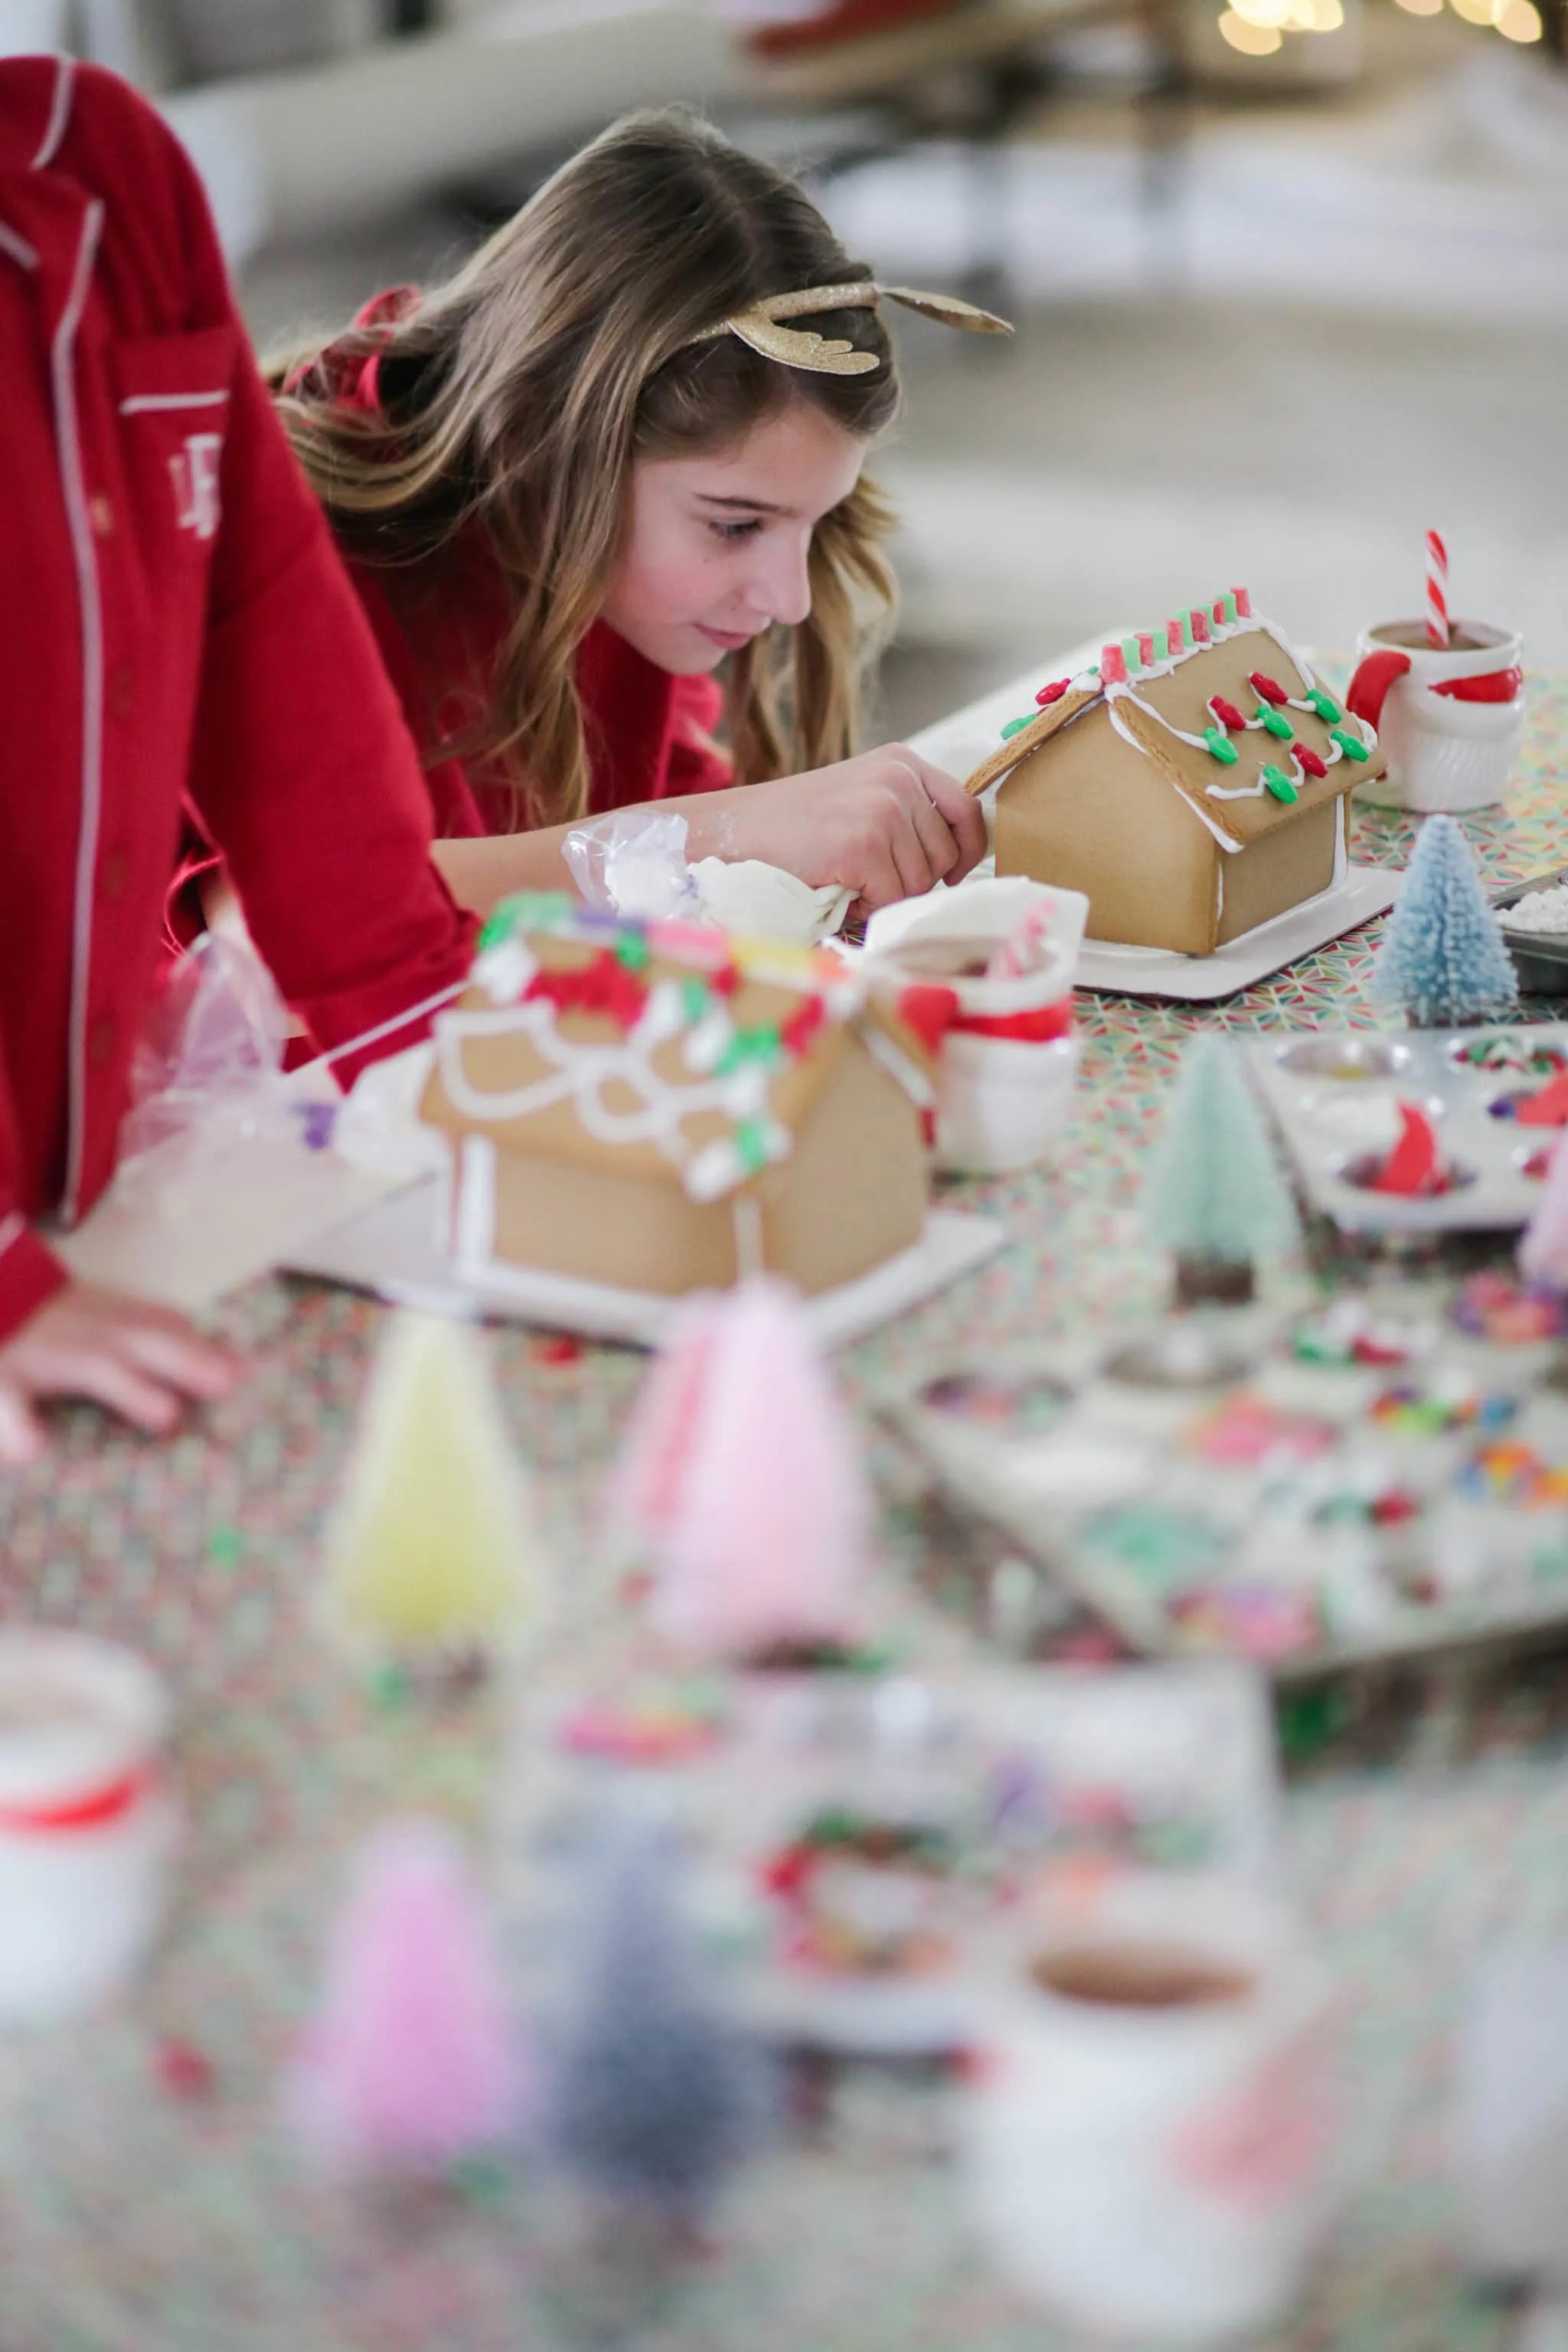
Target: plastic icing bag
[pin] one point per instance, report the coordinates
(207, 1074)
(633, 863)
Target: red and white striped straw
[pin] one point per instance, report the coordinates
(1026, 945)
(1437, 590)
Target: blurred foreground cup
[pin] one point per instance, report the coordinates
(87, 1824)
(1152, 2111)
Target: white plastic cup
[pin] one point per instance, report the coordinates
(1152, 2159)
(1446, 752)
(87, 1828)
(1001, 1101)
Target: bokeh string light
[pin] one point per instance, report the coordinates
(1259, 28)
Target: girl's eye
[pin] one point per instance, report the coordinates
(730, 531)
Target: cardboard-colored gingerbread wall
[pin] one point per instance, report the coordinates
(1194, 786)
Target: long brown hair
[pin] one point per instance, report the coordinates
(519, 395)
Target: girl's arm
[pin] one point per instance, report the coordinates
(886, 826)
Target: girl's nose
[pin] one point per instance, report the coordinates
(781, 585)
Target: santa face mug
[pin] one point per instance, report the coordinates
(1152, 2120)
(1449, 720)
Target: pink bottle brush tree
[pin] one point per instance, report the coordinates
(412, 2063)
(742, 1485)
(1543, 1246)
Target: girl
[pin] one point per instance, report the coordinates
(174, 630)
(603, 463)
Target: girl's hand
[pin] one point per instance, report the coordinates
(886, 826)
(142, 1362)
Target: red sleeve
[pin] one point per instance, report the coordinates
(29, 1271)
(302, 772)
(697, 762)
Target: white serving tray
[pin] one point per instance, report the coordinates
(392, 1249)
(1366, 891)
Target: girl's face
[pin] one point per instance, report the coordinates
(716, 546)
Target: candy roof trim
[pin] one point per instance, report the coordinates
(1300, 751)
(692, 1055)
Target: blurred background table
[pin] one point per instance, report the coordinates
(138, 2209)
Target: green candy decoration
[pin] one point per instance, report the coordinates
(760, 1044)
(1276, 721)
(1220, 746)
(633, 953)
(1350, 745)
(695, 996)
(1016, 726)
(1228, 601)
(1131, 654)
(1277, 781)
(751, 1146)
(1325, 706)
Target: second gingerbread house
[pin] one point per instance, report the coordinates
(664, 1108)
(1194, 784)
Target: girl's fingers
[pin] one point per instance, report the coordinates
(172, 1352)
(936, 838)
(21, 1434)
(120, 1388)
(962, 813)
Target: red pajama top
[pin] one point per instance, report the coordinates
(440, 626)
(175, 632)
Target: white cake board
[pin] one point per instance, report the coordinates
(1366, 891)
(392, 1249)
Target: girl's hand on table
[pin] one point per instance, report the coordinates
(142, 1362)
(886, 824)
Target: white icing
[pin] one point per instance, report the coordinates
(473, 1237)
(1543, 910)
(504, 971)
(581, 1074)
(1115, 691)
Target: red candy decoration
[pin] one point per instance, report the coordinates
(1054, 692)
(929, 1011)
(602, 986)
(726, 979)
(1266, 687)
(184, 2072)
(1549, 1107)
(1243, 603)
(1411, 1167)
(1310, 759)
(798, 1034)
(1145, 648)
(1200, 626)
(1228, 714)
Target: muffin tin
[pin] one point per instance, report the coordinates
(1539, 958)
(855, 1841)
(1380, 1477)
(1337, 1096)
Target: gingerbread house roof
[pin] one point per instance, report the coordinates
(691, 1054)
(1224, 711)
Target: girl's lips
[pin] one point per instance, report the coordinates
(731, 639)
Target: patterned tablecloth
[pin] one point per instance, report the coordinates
(139, 2210)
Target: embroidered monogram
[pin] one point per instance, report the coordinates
(193, 471)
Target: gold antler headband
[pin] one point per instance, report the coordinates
(761, 325)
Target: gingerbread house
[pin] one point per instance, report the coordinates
(664, 1108)
(1195, 784)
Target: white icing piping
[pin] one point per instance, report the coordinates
(474, 1234)
(1115, 691)
(582, 1072)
